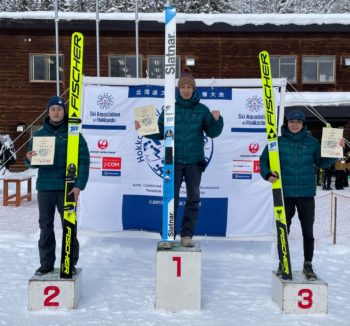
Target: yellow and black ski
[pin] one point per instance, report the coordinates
(74, 123)
(272, 143)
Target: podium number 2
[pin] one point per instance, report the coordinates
(55, 291)
(306, 299)
(177, 259)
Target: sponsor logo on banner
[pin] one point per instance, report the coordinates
(105, 101)
(111, 166)
(252, 120)
(242, 169)
(255, 103)
(103, 113)
(254, 148)
(102, 143)
(256, 166)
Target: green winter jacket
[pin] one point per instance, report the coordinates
(300, 156)
(192, 120)
(52, 177)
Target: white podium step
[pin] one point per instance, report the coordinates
(178, 278)
(50, 291)
(300, 296)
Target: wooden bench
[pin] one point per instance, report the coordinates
(16, 198)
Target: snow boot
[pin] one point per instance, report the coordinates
(43, 270)
(309, 272)
(165, 244)
(187, 242)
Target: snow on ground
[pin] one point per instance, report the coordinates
(119, 283)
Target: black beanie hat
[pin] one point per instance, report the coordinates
(56, 100)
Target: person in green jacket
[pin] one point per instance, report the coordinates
(193, 120)
(300, 156)
(51, 182)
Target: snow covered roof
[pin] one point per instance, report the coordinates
(317, 98)
(207, 19)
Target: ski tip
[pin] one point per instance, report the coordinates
(170, 13)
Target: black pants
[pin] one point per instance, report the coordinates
(47, 202)
(327, 178)
(191, 174)
(339, 179)
(306, 213)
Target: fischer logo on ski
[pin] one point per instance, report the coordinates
(74, 120)
(277, 192)
(168, 225)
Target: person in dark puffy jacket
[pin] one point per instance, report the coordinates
(300, 156)
(193, 120)
(51, 182)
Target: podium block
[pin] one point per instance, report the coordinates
(300, 296)
(178, 278)
(50, 291)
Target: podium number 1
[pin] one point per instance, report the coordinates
(177, 259)
(55, 291)
(306, 299)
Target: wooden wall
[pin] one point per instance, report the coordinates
(220, 55)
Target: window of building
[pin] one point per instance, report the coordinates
(320, 69)
(155, 66)
(284, 67)
(43, 67)
(124, 66)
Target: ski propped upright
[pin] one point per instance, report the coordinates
(272, 143)
(168, 223)
(74, 126)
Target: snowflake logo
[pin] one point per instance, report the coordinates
(254, 103)
(105, 101)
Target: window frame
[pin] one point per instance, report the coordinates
(318, 57)
(279, 57)
(47, 70)
(124, 57)
(178, 65)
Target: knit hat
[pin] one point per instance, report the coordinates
(296, 115)
(56, 100)
(186, 78)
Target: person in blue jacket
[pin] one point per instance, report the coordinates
(300, 156)
(193, 120)
(51, 182)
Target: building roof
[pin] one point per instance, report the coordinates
(185, 22)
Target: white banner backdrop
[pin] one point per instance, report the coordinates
(125, 186)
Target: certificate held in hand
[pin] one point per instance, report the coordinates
(146, 116)
(330, 144)
(44, 148)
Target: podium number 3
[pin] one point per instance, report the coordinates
(55, 291)
(306, 299)
(177, 259)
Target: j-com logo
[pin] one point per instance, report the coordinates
(254, 103)
(102, 143)
(253, 147)
(105, 101)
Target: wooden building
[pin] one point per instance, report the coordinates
(313, 52)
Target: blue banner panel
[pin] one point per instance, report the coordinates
(145, 212)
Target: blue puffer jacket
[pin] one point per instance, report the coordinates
(192, 120)
(300, 155)
(52, 177)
